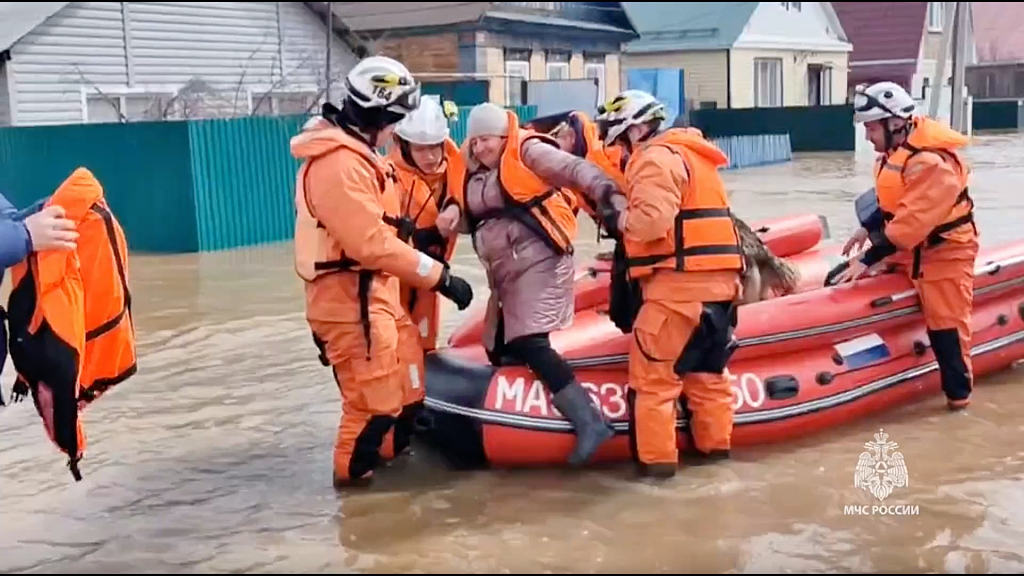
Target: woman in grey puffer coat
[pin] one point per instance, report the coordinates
(531, 285)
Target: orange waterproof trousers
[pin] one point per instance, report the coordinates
(660, 333)
(372, 389)
(410, 357)
(946, 291)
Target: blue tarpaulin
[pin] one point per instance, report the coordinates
(666, 84)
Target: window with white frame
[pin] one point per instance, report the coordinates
(558, 65)
(594, 68)
(105, 107)
(794, 6)
(516, 72)
(936, 16)
(767, 82)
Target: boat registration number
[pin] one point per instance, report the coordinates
(516, 395)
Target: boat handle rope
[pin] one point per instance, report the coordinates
(990, 268)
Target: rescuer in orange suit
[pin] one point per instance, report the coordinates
(349, 255)
(430, 174)
(686, 303)
(577, 134)
(921, 218)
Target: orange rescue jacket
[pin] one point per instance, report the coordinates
(318, 254)
(891, 188)
(704, 237)
(72, 336)
(547, 210)
(421, 204)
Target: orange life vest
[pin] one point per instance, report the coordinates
(317, 254)
(72, 336)
(419, 203)
(931, 136)
(422, 205)
(704, 237)
(547, 210)
(608, 158)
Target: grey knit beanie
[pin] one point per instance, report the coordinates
(487, 120)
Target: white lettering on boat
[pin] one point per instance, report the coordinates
(747, 390)
(515, 396)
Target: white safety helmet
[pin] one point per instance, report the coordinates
(629, 108)
(382, 82)
(882, 100)
(427, 124)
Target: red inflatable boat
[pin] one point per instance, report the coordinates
(808, 361)
(796, 238)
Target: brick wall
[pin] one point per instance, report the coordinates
(433, 53)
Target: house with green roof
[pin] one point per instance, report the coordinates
(743, 54)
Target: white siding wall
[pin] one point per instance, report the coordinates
(230, 57)
(5, 101)
(81, 44)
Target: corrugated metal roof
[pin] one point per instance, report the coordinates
(555, 21)
(670, 26)
(997, 31)
(19, 18)
(359, 16)
(883, 31)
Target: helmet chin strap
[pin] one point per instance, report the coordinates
(890, 135)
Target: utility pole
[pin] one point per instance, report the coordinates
(959, 66)
(939, 80)
(330, 37)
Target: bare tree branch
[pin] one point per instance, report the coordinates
(115, 104)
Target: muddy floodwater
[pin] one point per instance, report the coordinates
(216, 457)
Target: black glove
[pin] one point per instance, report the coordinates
(426, 239)
(608, 215)
(454, 288)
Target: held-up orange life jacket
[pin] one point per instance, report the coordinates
(704, 237)
(547, 210)
(317, 254)
(72, 336)
(927, 136)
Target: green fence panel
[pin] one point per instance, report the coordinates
(996, 115)
(243, 180)
(810, 128)
(186, 186)
(144, 169)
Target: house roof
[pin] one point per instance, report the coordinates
(20, 18)
(886, 38)
(671, 26)
(883, 31)
(997, 31)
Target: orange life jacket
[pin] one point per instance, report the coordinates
(547, 210)
(927, 135)
(607, 157)
(422, 205)
(72, 336)
(317, 254)
(704, 237)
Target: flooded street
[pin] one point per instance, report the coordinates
(216, 456)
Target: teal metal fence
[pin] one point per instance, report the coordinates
(211, 184)
(175, 186)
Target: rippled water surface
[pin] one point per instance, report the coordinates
(216, 457)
